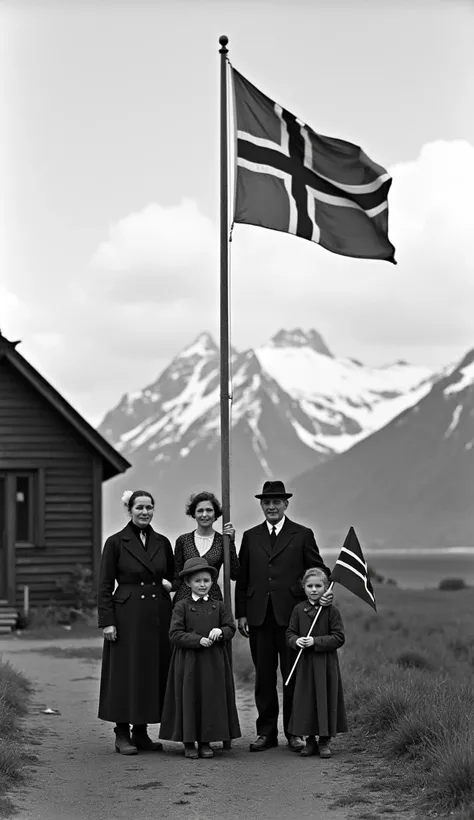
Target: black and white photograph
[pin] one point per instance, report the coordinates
(236, 409)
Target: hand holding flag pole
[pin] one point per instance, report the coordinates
(352, 572)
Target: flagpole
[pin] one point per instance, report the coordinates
(224, 318)
(329, 589)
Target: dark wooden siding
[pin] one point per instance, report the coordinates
(33, 435)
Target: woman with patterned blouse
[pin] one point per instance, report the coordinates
(204, 542)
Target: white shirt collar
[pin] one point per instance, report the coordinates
(198, 597)
(277, 526)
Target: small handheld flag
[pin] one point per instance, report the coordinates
(351, 570)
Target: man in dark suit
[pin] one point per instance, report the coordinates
(273, 558)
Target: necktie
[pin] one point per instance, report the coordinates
(143, 539)
(273, 537)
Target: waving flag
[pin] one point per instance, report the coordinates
(351, 570)
(291, 179)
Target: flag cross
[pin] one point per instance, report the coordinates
(291, 160)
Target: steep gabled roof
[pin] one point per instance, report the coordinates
(113, 462)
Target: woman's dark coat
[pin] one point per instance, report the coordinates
(200, 695)
(135, 666)
(186, 548)
(318, 700)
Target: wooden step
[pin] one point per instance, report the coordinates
(5, 630)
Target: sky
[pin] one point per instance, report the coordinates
(109, 156)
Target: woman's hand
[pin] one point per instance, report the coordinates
(110, 633)
(166, 584)
(205, 642)
(215, 634)
(304, 643)
(229, 530)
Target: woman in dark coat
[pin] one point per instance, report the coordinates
(204, 542)
(135, 619)
(318, 700)
(200, 695)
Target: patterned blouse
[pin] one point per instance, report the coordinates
(186, 548)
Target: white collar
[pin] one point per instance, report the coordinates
(198, 597)
(278, 526)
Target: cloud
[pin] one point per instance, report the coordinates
(153, 284)
(159, 254)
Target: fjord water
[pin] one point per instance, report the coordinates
(419, 569)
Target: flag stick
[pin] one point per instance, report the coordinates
(224, 319)
(329, 589)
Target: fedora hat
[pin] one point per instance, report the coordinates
(193, 565)
(274, 489)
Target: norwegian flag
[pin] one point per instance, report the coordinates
(291, 179)
(351, 570)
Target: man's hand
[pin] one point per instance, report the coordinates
(166, 584)
(243, 626)
(305, 643)
(326, 599)
(110, 633)
(215, 634)
(205, 642)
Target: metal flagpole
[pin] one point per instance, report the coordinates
(224, 319)
(329, 589)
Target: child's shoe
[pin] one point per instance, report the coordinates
(324, 750)
(205, 750)
(310, 747)
(190, 751)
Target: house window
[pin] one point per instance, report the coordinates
(24, 502)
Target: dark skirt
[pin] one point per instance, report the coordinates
(200, 697)
(318, 700)
(135, 666)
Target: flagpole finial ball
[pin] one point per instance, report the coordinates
(223, 40)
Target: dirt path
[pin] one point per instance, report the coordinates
(79, 777)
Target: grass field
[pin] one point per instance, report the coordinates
(408, 674)
(14, 695)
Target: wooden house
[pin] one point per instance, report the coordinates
(52, 466)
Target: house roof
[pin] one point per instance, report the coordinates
(113, 462)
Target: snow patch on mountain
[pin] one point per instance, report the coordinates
(466, 379)
(454, 421)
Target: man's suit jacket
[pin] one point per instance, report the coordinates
(275, 574)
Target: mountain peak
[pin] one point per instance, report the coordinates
(298, 338)
(203, 345)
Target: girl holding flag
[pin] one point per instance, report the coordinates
(318, 700)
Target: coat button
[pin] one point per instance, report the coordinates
(269, 579)
(153, 584)
(142, 584)
(153, 596)
(142, 596)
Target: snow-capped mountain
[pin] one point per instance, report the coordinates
(294, 406)
(409, 484)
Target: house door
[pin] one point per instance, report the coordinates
(3, 539)
(17, 518)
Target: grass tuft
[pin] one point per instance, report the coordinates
(413, 660)
(15, 692)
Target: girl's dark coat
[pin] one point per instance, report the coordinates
(200, 695)
(135, 666)
(318, 701)
(186, 548)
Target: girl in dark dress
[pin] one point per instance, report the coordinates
(204, 542)
(200, 695)
(135, 619)
(318, 700)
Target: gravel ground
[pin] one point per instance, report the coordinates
(79, 776)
